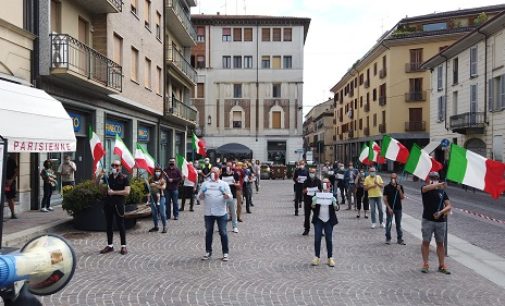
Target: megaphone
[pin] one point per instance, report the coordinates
(46, 263)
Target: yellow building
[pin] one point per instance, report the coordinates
(318, 134)
(386, 91)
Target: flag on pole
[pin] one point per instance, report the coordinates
(199, 146)
(420, 163)
(187, 169)
(96, 147)
(472, 169)
(363, 156)
(122, 151)
(143, 160)
(374, 153)
(392, 149)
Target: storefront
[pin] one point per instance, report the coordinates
(166, 146)
(276, 151)
(115, 126)
(82, 156)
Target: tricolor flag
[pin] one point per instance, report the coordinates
(471, 169)
(374, 153)
(199, 146)
(188, 171)
(392, 149)
(143, 160)
(420, 163)
(363, 156)
(122, 151)
(96, 147)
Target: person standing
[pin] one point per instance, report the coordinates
(174, 177)
(311, 185)
(157, 184)
(257, 172)
(247, 187)
(10, 184)
(361, 194)
(231, 179)
(239, 183)
(188, 192)
(393, 196)
(324, 205)
(215, 193)
(114, 206)
(339, 175)
(299, 178)
(436, 206)
(206, 169)
(350, 185)
(373, 185)
(67, 172)
(49, 179)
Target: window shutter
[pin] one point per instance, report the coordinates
(490, 99)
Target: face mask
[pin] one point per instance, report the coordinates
(312, 175)
(114, 171)
(362, 173)
(351, 167)
(393, 181)
(434, 182)
(206, 162)
(372, 174)
(213, 176)
(325, 186)
(301, 167)
(228, 169)
(342, 168)
(157, 173)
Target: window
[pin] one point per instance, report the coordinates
(200, 90)
(473, 62)
(226, 34)
(55, 16)
(237, 90)
(117, 49)
(237, 119)
(158, 25)
(441, 109)
(248, 34)
(147, 73)
(440, 81)
(200, 62)
(265, 34)
(237, 34)
(288, 62)
(276, 62)
(497, 93)
(455, 69)
(159, 80)
(265, 62)
(226, 62)
(288, 34)
(435, 26)
(374, 94)
(237, 62)
(276, 34)
(276, 90)
(374, 69)
(134, 6)
(134, 65)
(276, 120)
(361, 78)
(147, 13)
(473, 98)
(455, 103)
(416, 87)
(200, 34)
(248, 62)
(374, 121)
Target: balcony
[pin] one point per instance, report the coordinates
(366, 131)
(382, 73)
(366, 84)
(467, 123)
(382, 128)
(415, 96)
(75, 61)
(382, 100)
(179, 23)
(177, 61)
(366, 107)
(415, 126)
(177, 109)
(413, 67)
(103, 6)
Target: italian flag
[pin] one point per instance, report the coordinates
(392, 149)
(122, 151)
(363, 155)
(199, 146)
(188, 171)
(420, 163)
(143, 160)
(472, 169)
(374, 153)
(96, 147)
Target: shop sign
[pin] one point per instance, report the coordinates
(113, 127)
(143, 134)
(77, 121)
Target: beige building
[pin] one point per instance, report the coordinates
(468, 92)
(318, 132)
(387, 91)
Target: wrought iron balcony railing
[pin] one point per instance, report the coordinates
(467, 121)
(179, 61)
(184, 17)
(179, 109)
(415, 126)
(415, 96)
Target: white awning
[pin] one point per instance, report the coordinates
(434, 143)
(33, 121)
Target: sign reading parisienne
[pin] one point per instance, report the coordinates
(34, 146)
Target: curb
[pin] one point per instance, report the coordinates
(18, 238)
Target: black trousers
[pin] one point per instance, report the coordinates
(188, 192)
(298, 195)
(362, 195)
(115, 211)
(307, 208)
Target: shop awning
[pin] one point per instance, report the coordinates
(33, 121)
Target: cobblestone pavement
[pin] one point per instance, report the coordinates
(269, 265)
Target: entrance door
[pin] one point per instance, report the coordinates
(83, 160)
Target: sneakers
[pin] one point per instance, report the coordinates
(154, 229)
(316, 261)
(206, 256)
(382, 225)
(106, 250)
(305, 232)
(374, 225)
(50, 208)
(123, 251)
(444, 270)
(164, 231)
(43, 209)
(235, 230)
(366, 217)
(388, 241)
(331, 262)
(401, 242)
(225, 257)
(425, 268)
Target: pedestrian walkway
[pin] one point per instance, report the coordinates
(269, 265)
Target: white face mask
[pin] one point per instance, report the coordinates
(312, 175)
(342, 168)
(213, 176)
(434, 182)
(325, 186)
(157, 173)
(114, 170)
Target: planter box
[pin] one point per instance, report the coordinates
(93, 218)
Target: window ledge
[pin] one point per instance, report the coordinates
(474, 76)
(135, 14)
(148, 27)
(135, 81)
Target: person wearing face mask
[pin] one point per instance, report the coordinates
(119, 188)
(231, 178)
(188, 192)
(174, 177)
(67, 172)
(361, 194)
(373, 185)
(311, 185)
(350, 185)
(157, 186)
(393, 196)
(206, 169)
(436, 206)
(324, 205)
(215, 193)
(299, 177)
(339, 175)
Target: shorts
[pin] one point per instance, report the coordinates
(428, 228)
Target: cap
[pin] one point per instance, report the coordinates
(433, 174)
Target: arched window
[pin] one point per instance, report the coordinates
(237, 117)
(276, 117)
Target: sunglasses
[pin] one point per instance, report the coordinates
(115, 166)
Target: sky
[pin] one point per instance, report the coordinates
(340, 32)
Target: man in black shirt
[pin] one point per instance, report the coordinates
(436, 206)
(119, 188)
(311, 185)
(393, 196)
(299, 177)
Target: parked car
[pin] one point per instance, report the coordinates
(265, 171)
(278, 172)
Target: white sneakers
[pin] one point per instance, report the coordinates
(43, 209)
(225, 257)
(374, 225)
(50, 208)
(235, 230)
(382, 225)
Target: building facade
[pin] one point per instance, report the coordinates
(250, 85)
(468, 92)
(387, 90)
(318, 132)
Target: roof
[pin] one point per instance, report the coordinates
(455, 13)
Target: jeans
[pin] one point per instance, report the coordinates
(257, 183)
(209, 231)
(397, 213)
(248, 196)
(351, 195)
(46, 198)
(307, 209)
(115, 211)
(159, 210)
(232, 208)
(376, 202)
(239, 203)
(318, 233)
(173, 197)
